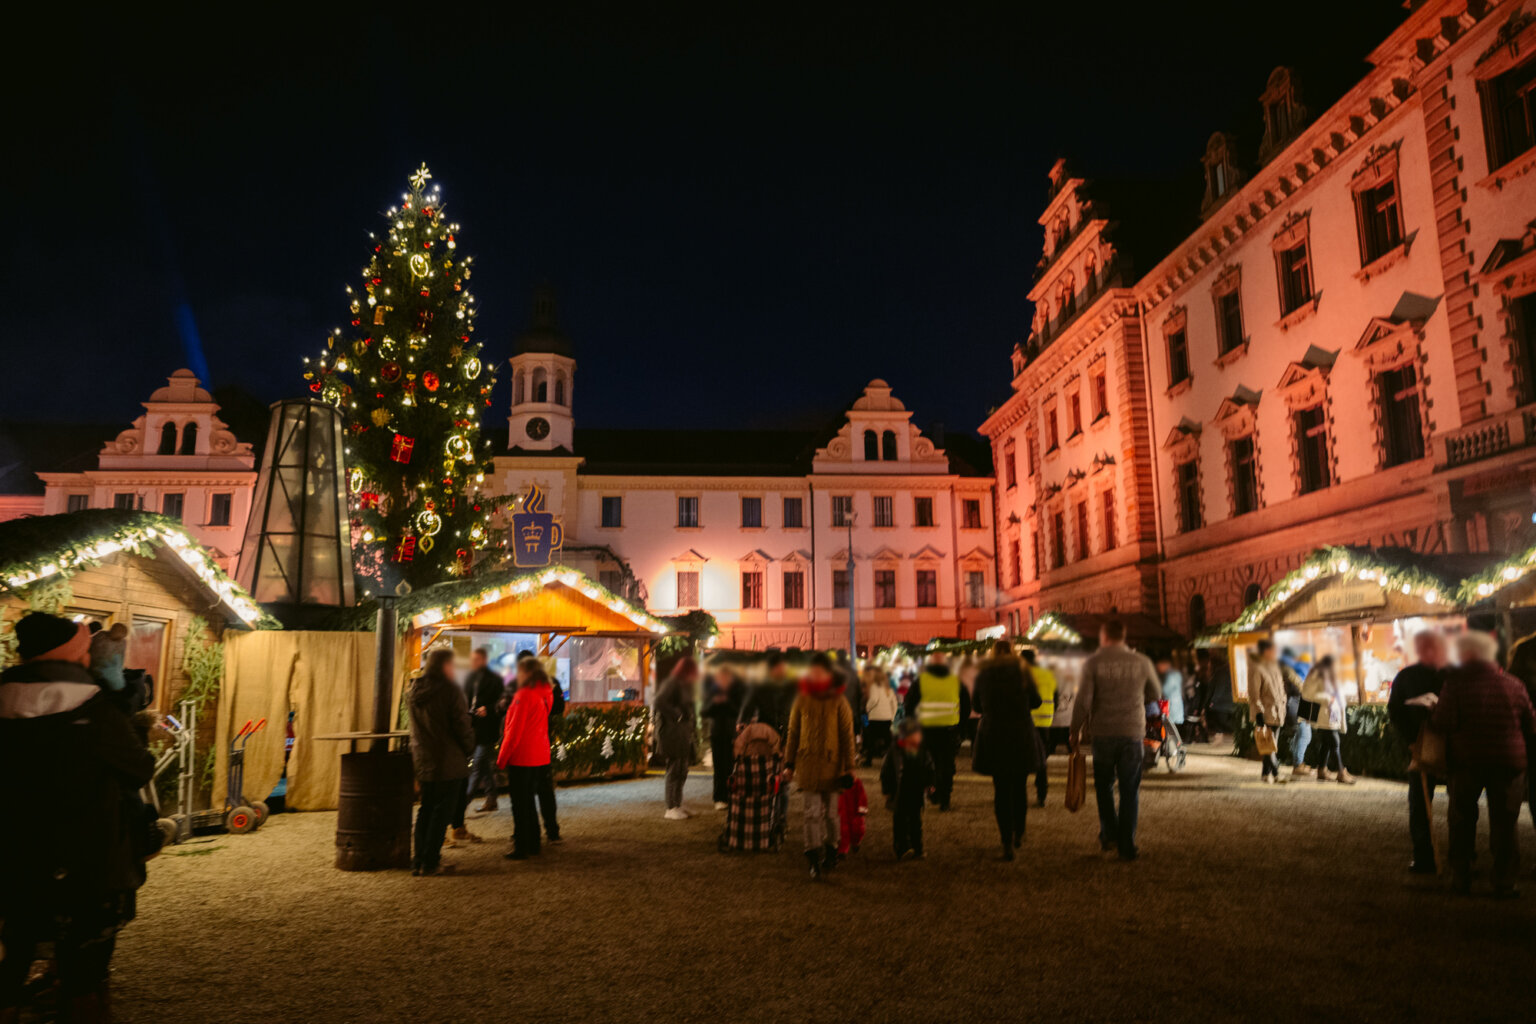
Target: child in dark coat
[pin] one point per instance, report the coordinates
(906, 778)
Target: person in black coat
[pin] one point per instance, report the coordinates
(1006, 745)
(73, 854)
(483, 690)
(1426, 675)
(724, 695)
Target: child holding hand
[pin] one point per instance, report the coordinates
(906, 778)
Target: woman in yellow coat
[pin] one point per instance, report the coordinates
(819, 756)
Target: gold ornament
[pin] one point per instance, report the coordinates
(387, 347)
(472, 368)
(380, 416)
(477, 534)
(428, 522)
(420, 265)
(355, 480)
(458, 447)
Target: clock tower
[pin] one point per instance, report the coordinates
(543, 378)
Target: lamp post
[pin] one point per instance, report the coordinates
(853, 650)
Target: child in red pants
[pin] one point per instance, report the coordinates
(852, 806)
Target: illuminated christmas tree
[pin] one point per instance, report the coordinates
(409, 380)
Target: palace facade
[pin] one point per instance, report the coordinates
(1342, 352)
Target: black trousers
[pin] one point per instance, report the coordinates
(1044, 744)
(1506, 789)
(82, 951)
(722, 751)
(907, 828)
(523, 785)
(943, 742)
(439, 801)
(877, 740)
(1010, 804)
(546, 795)
(1418, 817)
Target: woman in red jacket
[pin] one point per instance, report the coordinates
(525, 750)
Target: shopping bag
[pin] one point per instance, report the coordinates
(1077, 780)
(1264, 740)
(1428, 752)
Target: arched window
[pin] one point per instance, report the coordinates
(1090, 273)
(517, 388)
(560, 388)
(1067, 298)
(167, 439)
(1251, 593)
(888, 446)
(540, 385)
(871, 446)
(1196, 615)
(189, 439)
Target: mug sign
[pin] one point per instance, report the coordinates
(536, 535)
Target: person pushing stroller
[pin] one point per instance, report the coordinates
(758, 792)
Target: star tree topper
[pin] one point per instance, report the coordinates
(420, 178)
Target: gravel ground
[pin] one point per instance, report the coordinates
(1249, 902)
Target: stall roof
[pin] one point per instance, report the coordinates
(37, 547)
(1082, 628)
(1508, 580)
(452, 601)
(1439, 580)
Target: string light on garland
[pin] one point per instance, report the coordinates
(1051, 628)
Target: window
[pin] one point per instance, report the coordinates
(1196, 615)
(1015, 564)
(220, 506)
(751, 513)
(1295, 277)
(1059, 540)
(1038, 560)
(167, 440)
(927, 588)
(172, 504)
(888, 446)
(1052, 438)
(842, 509)
(922, 511)
(1229, 320)
(885, 588)
(560, 388)
(124, 501)
(970, 513)
(540, 385)
(1100, 396)
(794, 589)
(752, 590)
(78, 502)
(517, 388)
(794, 513)
(871, 446)
(687, 588)
(688, 511)
(1509, 113)
(1108, 517)
(1251, 593)
(1221, 175)
(976, 588)
(1402, 429)
(1522, 315)
(613, 511)
(1311, 450)
(612, 580)
(1178, 356)
(1030, 459)
(1010, 467)
(885, 511)
(1245, 476)
(1074, 415)
(1082, 530)
(189, 439)
(839, 588)
(1380, 220)
(1187, 491)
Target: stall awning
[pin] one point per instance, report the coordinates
(1082, 629)
(548, 600)
(1510, 582)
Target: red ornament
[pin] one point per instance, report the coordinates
(405, 551)
(390, 372)
(425, 293)
(400, 448)
(315, 387)
(429, 381)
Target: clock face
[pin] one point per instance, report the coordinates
(538, 428)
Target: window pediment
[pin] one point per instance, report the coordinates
(1294, 230)
(755, 557)
(1379, 166)
(1304, 383)
(1238, 414)
(1183, 442)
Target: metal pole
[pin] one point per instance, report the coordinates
(384, 672)
(853, 649)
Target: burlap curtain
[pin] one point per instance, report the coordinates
(325, 678)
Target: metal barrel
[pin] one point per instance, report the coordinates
(373, 821)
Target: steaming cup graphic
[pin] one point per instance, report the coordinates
(536, 536)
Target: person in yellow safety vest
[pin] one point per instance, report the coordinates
(1045, 683)
(940, 704)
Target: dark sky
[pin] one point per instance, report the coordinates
(744, 220)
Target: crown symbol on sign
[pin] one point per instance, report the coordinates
(532, 534)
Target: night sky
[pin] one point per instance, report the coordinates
(744, 221)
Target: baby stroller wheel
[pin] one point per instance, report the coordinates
(1176, 763)
(262, 813)
(240, 820)
(168, 828)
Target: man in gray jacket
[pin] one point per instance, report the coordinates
(1116, 686)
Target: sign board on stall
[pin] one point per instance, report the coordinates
(1350, 597)
(536, 535)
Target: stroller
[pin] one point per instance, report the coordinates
(759, 804)
(1162, 741)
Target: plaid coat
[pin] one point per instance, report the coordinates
(749, 820)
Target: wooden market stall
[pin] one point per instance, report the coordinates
(1362, 606)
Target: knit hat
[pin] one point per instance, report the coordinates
(40, 635)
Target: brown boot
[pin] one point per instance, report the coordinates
(1301, 771)
(463, 835)
(1345, 778)
(1323, 776)
(488, 806)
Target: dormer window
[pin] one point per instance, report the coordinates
(1221, 177)
(1067, 298)
(1283, 112)
(1063, 229)
(167, 439)
(871, 446)
(1090, 273)
(888, 446)
(189, 439)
